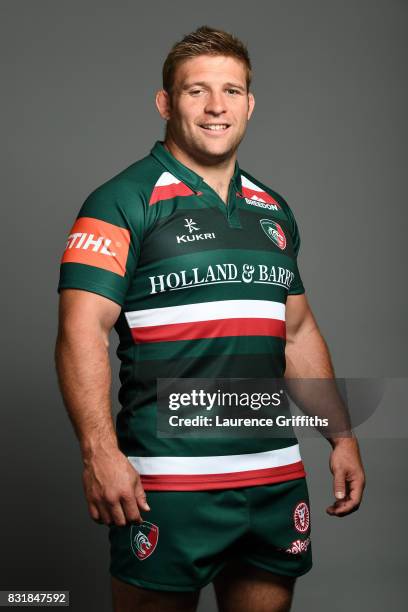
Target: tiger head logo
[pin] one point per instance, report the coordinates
(143, 539)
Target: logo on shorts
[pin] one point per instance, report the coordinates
(298, 546)
(301, 517)
(143, 539)
(274, 232)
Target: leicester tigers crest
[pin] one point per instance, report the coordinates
(143, 539)
(301, 517)
(274, 232)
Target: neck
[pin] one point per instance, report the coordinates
(217, 176)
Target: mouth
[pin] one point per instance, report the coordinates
(215, 127)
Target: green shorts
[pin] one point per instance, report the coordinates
(189, 536)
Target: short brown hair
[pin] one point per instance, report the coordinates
(204, 41)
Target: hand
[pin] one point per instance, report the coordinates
(348, 477)
(113, 489)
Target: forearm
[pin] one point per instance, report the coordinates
(307, 354)
(310, 382)
(84, 374)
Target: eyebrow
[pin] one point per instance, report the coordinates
(204, 84)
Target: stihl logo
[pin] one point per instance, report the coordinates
(97, 243)
(88, 241)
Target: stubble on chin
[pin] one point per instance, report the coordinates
(208, 154)
(195, 145)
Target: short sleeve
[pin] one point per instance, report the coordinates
(296, 287)
(102, 248)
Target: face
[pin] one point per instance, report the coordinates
(209, 108)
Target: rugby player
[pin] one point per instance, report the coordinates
(194, 262)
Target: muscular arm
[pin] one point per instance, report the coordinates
(307, 356)
(112, 486)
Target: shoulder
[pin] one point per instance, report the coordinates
(129, 188)
(253, 187)
(249, 181)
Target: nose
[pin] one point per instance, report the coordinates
(215, 103)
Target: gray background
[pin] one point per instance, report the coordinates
(329, 133)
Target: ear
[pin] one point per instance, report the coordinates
(251, 104)
(163, 104)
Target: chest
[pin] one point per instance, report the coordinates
(204, 252)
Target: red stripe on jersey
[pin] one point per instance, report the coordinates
(203, 482)
(166, 192)
(210, 329)
(262, 196)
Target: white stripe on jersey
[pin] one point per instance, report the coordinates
(207, 311)
(216, 465)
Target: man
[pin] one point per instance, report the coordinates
(194, 262)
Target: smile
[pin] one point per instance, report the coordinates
(215, 127)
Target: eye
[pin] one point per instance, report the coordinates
(232, 91)
(195, 92)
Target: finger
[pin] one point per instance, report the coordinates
(131, 509)
(140, 496)
(94, 512)
(351, 501)
(343, 510)
(115, 512)
(342, 507)
(356, 489)
(104, 514)
(339, 484)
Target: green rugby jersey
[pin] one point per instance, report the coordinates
(202, 287)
